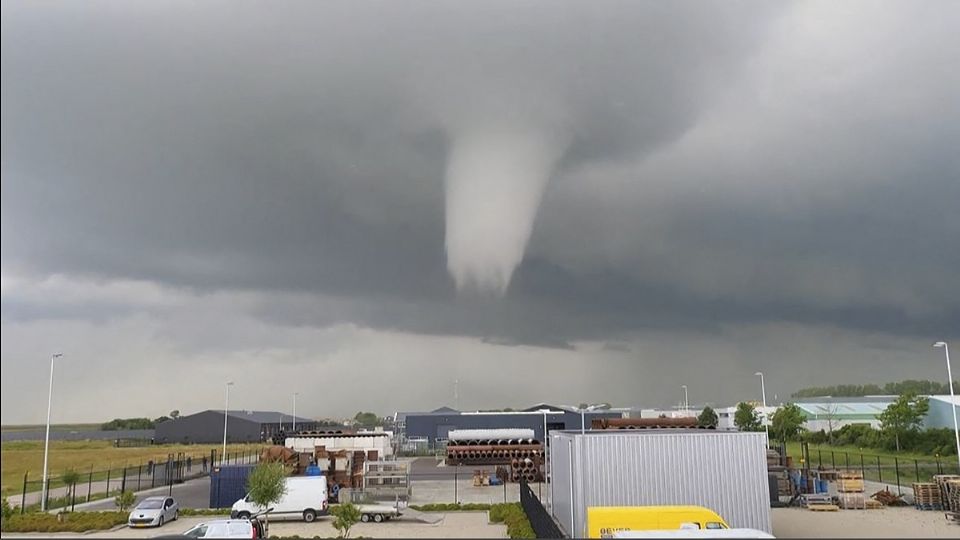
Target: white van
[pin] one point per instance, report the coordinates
(306, 497)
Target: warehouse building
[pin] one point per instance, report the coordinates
(941, 412)
(242, 426)
(434, 426)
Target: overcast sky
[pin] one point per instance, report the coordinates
(561, 202)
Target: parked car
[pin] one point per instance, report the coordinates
(227, 528)
(154, 512)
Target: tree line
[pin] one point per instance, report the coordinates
(901, 427)
(910, 386)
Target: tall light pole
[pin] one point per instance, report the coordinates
(686, 401)
(295, 394)
(46, 444)
(226, 408)
(953, 402)
(763, 391)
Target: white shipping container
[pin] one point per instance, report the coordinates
(723, 471)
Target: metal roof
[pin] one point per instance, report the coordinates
(860, 409)
(264, 417)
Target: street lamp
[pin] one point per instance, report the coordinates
(686, 401)
(46, 444)
(763, 391)
(295, 394)
(953, 403)
(226, 407)
(583, 416)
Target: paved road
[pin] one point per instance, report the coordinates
(190, 494)
(99, 486)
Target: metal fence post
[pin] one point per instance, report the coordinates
(819, 458)
(846, 458)
(123, 482)
(90, 484)
(23, 497)
(862, 468)
(108, 480)
(73, 496)
(879, 470)
(46, 494)
(939, 469)
(139, 474)
(916, 466)
(456, 480)
(896, 466)
(833, 460)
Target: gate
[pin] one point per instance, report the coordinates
(539, 518)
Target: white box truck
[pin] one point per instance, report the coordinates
(306, 498)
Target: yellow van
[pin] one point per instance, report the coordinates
(604, 521)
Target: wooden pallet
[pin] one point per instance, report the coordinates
(850, 485)
(823, 507)
(871, 504)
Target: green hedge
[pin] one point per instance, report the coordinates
(72, 522)
(512, 514)
(452, 507)
(204, 511)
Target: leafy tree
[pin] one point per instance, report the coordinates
(910, 386)
(345, 515)
(161, 419)
(747, 418)
(266, 485)
(124, 500)
(118, 424)
(70, 478)
(367, 419)
(904, 416)
(175, 414)
(708, 417)
(787, 421)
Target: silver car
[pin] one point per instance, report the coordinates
(154, 512)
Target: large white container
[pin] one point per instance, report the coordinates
(723, 471)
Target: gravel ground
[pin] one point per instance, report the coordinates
(903, 522)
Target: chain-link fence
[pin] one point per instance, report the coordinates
(93, 484)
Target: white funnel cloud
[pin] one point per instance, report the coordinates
(495, 181)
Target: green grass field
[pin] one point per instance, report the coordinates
(20, 457)
(877, 465)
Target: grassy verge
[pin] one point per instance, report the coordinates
(69, 522)
(510, 514)
(20, 457)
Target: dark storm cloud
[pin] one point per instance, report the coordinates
(225, 147)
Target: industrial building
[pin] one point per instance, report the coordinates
(941, 413)
(433, 427)
(826, 413)
(721, 470)
(242, 426)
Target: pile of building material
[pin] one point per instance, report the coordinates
(888, 499)
(296, 461)
(926, 496)
(515, 448)
(646, 423)
(850, 491)
(949, 491)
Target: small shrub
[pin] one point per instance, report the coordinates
(204, 511)
(345, 515)
(124, 500)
